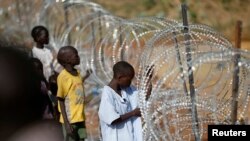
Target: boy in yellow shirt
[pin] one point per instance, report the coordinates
(70, 95)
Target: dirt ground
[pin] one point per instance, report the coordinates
(245, 45)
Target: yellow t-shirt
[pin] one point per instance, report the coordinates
(70, 88)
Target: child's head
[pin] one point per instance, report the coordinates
(40, 34)
(123, 73)
(68, 55)
(20, 99)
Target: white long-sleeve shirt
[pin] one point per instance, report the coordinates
(111, 107)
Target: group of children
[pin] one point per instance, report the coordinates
(118, 111)
(65, 83)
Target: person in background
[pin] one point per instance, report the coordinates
(48, 108)
(44, 52)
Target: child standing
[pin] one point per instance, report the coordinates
(70, 95)
(47, 104)
(41, 51)
(118, 113)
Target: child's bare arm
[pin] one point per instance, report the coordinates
(88, 72)
(68, 127)
(122, 118)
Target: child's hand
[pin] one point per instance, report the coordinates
(137, 112)
(88, 71)
(69, 129)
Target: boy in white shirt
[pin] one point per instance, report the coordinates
(41, 51)
(118, 112)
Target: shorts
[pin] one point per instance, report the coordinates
(79, 132)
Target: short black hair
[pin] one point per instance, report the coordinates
(63, 53)
(36, 31)
(123, 68)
